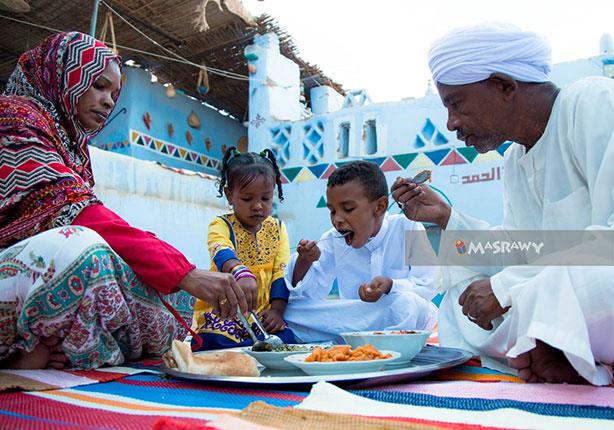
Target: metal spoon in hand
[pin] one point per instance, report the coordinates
(420, 178)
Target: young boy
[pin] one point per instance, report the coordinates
(365, 253)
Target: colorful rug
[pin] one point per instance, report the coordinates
(139, 397)
(139, 401)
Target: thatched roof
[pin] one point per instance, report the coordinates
(211, 31)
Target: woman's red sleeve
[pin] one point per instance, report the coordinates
(155, 262)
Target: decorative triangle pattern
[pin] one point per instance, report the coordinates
(438, 155)
(453, 158)
(405, 160)
(329, 171)
(166, 148)
(291, 172)
(318, 169)
(390, 165)
(304, 175)
(469, 152)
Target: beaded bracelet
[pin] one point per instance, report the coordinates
(240, 271)
(245, 275)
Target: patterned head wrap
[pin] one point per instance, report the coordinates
(471, 54)
(56, 74)
(45, 169)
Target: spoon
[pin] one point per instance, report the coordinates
(326, 238)
(258, 344)
(422, 177)
(268, 338)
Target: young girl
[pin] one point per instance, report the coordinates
(250, 244)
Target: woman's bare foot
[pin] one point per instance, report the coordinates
(47, 354)
(545, 364)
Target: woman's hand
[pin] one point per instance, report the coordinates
(220, 290)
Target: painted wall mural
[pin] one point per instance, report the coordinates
(407, 161)
(155, 127)
(167, 150)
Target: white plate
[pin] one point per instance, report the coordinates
(340, 367)
(408, 344)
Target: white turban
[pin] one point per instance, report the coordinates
(471, 54)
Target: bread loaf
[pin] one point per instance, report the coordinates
(225, 363)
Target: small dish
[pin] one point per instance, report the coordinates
(275, 359)
(340, 367)
(408, 342)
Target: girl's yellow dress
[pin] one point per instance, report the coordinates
(266, 254)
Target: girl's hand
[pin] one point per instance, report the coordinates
(250, 288)
(308, 250)
(375, 289)
(273, 321)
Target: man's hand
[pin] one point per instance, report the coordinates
(308, 251)
(480, 304)
(375, 289)
(250, 288)
(220, 290)
(420, 202)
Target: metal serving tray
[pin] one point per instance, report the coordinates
(429, 360)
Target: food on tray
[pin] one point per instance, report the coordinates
(293, 348)
(225, 363)
(395, 332)
(345, 353)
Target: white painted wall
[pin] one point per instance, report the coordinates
(176, 207)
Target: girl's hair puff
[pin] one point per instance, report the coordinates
(242, 168)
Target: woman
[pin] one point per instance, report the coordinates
(79, 287)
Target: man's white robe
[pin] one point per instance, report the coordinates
(313, 316)
(565, 182)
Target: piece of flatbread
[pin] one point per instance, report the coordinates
(224, 363)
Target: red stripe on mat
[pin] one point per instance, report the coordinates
(21, 410)
(98, 376)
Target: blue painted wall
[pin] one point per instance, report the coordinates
(402, 137)
(128, 134)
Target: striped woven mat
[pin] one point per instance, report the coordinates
(143, 401)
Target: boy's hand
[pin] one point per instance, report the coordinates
(375, 289)
(308, 250)
(250, 288)
(273, 320)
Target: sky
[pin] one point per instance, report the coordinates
(382, 45)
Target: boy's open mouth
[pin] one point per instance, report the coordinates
(348, 235)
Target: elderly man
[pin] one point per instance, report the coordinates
(552, 323)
